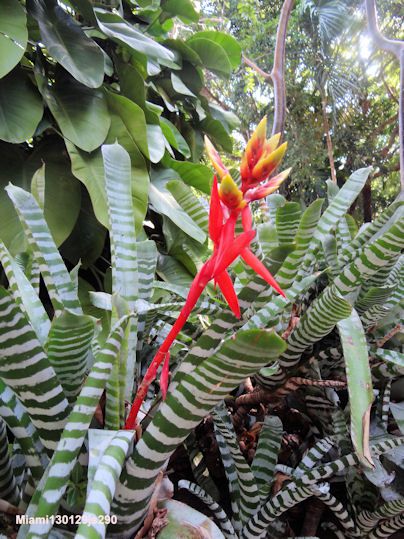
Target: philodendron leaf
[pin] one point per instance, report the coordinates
(164, 202)
(212, 54)
(359, 383)
(81, 112)
(13, 35)
(89, 169)
(123, 33)
(67, 43)
(20, 107)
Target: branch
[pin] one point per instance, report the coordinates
(391, 45)
(396, 47)
(278, 70)
(277, 75)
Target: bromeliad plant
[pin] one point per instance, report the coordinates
(227, 203)
(67, 463)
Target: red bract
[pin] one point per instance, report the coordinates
(261, 158)
(226, 248)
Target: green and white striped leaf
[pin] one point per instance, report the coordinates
(249, 496)
(193, 206)
(19, 423)
(317, 322)
(266, 455)
(68, 347)
(196, 394)
(220, 516)
(48, 496)
(25, 295)
(57, 279)
(117, 166)
(8, 485)
(287, 222)
(103, 486)
(387, 218)
(286, 274)
(25, 368)
(335, 211)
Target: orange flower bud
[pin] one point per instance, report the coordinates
(230, 194)
(215, 159)
(256, 143)
(269, 163)
(267, 188)
(271, 144)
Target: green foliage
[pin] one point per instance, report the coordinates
(101, 108)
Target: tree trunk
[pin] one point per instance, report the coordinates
(326, 127)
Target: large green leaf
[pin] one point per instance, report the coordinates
(89, 169)
(11, 232)
(164, 202)
(231, 46)
(62, 190)
(359, 383)
(81, 112)
(20, 108)
(123, 33)
(133, 118)
(180, 8)
(212, 54)
(194, 174)
(216, 131)
(13, 35)
(174, 137)
(67, 43)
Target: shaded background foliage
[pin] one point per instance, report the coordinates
(328, 53)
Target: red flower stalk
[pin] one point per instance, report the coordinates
(227, 247)
(261, 159)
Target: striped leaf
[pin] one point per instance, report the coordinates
(358, 374)
(8, 486)
(317, 322)
(49, 495)
(313, 456)
(25, 368)
(191, 204)
(286, 274)
(266, 455)
(117, 166)
(68, 347)
(232, 478)
(249, 496)
(375, 256)
(335, 211)
(103, 486)
(219, 515)
(288, 497)
(287, 222)
(196, 394)
(25, 295)
(59, 285)
(19, 423)
(387, 218)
